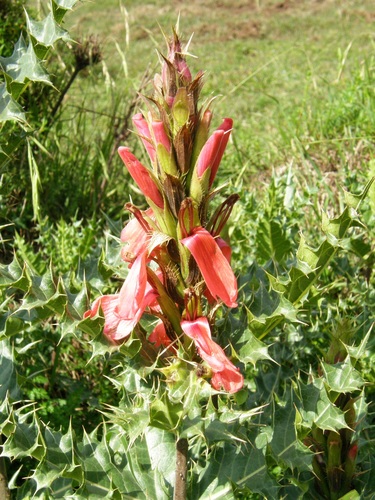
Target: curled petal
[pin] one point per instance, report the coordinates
(224, 247)
(136, 240)
(141, 176)
(124, 310)
(114, 327)
(226, 375)
(213, 265)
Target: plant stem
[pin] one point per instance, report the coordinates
(63, 93)
(181, 469)
(4, 490)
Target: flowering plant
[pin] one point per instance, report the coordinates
(179, 265)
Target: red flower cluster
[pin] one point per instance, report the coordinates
(179, 266)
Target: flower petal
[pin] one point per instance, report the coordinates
(141, 176)
(226, 375)
(133, 290)
(213, 265)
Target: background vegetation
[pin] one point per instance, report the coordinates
(298, 79)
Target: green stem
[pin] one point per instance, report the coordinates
(181, 469)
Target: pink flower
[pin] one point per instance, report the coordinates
(123, 311)
(142, 177)
(212, 152)
(143, 130)
(135, 236)
(213, 265)
(226, 375)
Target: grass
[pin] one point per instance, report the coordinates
(292, 74)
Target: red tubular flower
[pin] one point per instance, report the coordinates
(141, 176)
(213, 265)
(226, 375)
(143, 130)
(123, 311)
(212, 152)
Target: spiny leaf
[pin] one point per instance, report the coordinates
(14, 275)
(65, 4)
(244, 466)
(316, 407)
(342, 377)
(161, 448)
(47, 31)
(271, 240)
(8, 373)
(285, 446)
(10, 110)
(25, 438)
(249, 349)
(23, 65)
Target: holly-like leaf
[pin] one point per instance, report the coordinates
(244, 466)
(249, 349)
(14, 275)
(161, 448)
(342, 377)
(271, 241)
(286, 447)
(65, 4)
(8, 373)
(316, 407)
(23, 65)
(10, 110)
(47, 31)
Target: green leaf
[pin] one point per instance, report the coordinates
(272, 242)
(35, 181)
(65, 4)
(24, 439)
(316, 407)
(249, 349)
(8, 373)
(285, 446)
(162, 449)
(23, 65)
(10, 110)
(47, 31)
(342, 377)
(244, 466)
(14, 275)
(356, 352)
(164, 414)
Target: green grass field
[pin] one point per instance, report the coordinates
(296, 76)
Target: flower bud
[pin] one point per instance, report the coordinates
(142, 177)
(144, 132)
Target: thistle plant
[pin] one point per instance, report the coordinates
(179, 264)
